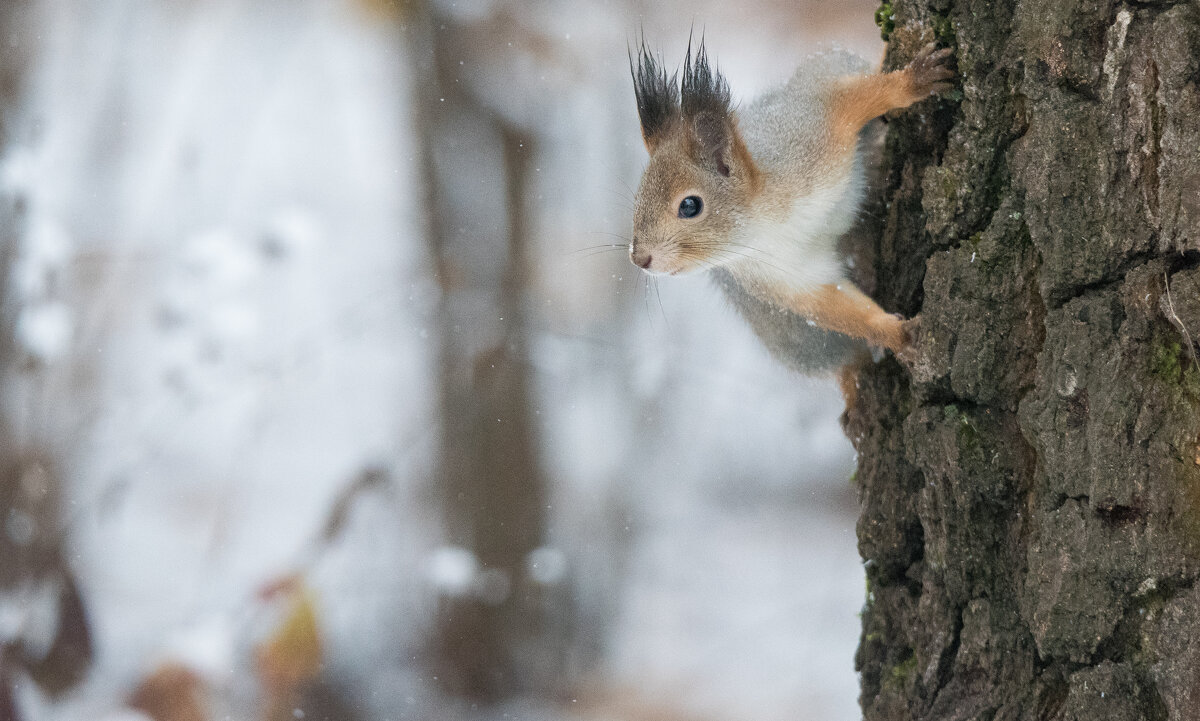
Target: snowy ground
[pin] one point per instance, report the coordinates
(239, 324)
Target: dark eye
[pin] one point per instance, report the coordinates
(690, 206)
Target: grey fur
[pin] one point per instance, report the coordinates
(790, 338)
(784, 130)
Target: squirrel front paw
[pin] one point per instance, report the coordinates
(891, 331)
(916, 355)
(929, 72)
(912, 332)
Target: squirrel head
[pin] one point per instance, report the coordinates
(700, 182)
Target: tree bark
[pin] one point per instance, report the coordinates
(1029, 483)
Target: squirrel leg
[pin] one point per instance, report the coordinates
(847, 377)
(846, 309)
(858, 100)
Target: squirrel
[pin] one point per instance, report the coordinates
(760, 197)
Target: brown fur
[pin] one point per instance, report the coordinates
(678, 168)
(695, 148)
(861, 99)
(846, 309)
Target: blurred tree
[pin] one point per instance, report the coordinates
(1029, 490)
(33, 571)
(496, 638)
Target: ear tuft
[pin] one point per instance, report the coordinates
(657, 96)
(705, 90)
(706, 111)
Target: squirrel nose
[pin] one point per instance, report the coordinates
(640, 257)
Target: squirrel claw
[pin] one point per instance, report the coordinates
(912, 327)
(912, 331)
(929, 71)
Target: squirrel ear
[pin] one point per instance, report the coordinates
(712, 138)
(715, 143)
(707, 109)
(657, 97)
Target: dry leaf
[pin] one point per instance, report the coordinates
(291, 657)
(172, 693)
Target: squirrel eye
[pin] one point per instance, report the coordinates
(690, 206)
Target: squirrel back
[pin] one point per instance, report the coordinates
(787, 128)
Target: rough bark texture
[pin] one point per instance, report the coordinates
(1030, 484)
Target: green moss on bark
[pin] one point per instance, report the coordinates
(885, 20)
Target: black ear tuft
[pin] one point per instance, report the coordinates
(657, 95)
(705, 90)
(706, 110)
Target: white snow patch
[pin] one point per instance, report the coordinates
(30, 613)
(209, 645)
(291, 231)
(547, 565)
(16, 171)
(452, 570)
(45, 330)
(1116, 44)
(45, 250)
(220, 257)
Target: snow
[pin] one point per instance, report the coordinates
(222, 278)
(453, 570)
(45, 251)
(28, 614)
(547, 566)
(207, 645)
(44, 330)
(19, 527)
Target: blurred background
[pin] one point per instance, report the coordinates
(327, 389)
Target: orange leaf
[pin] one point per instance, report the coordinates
(172, 693)
(291, 656)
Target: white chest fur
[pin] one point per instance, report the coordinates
(800, 253)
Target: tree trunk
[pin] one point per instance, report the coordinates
(1030, 482)
(32, 536)
(500, 637)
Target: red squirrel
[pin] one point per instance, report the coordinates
(760, 196)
